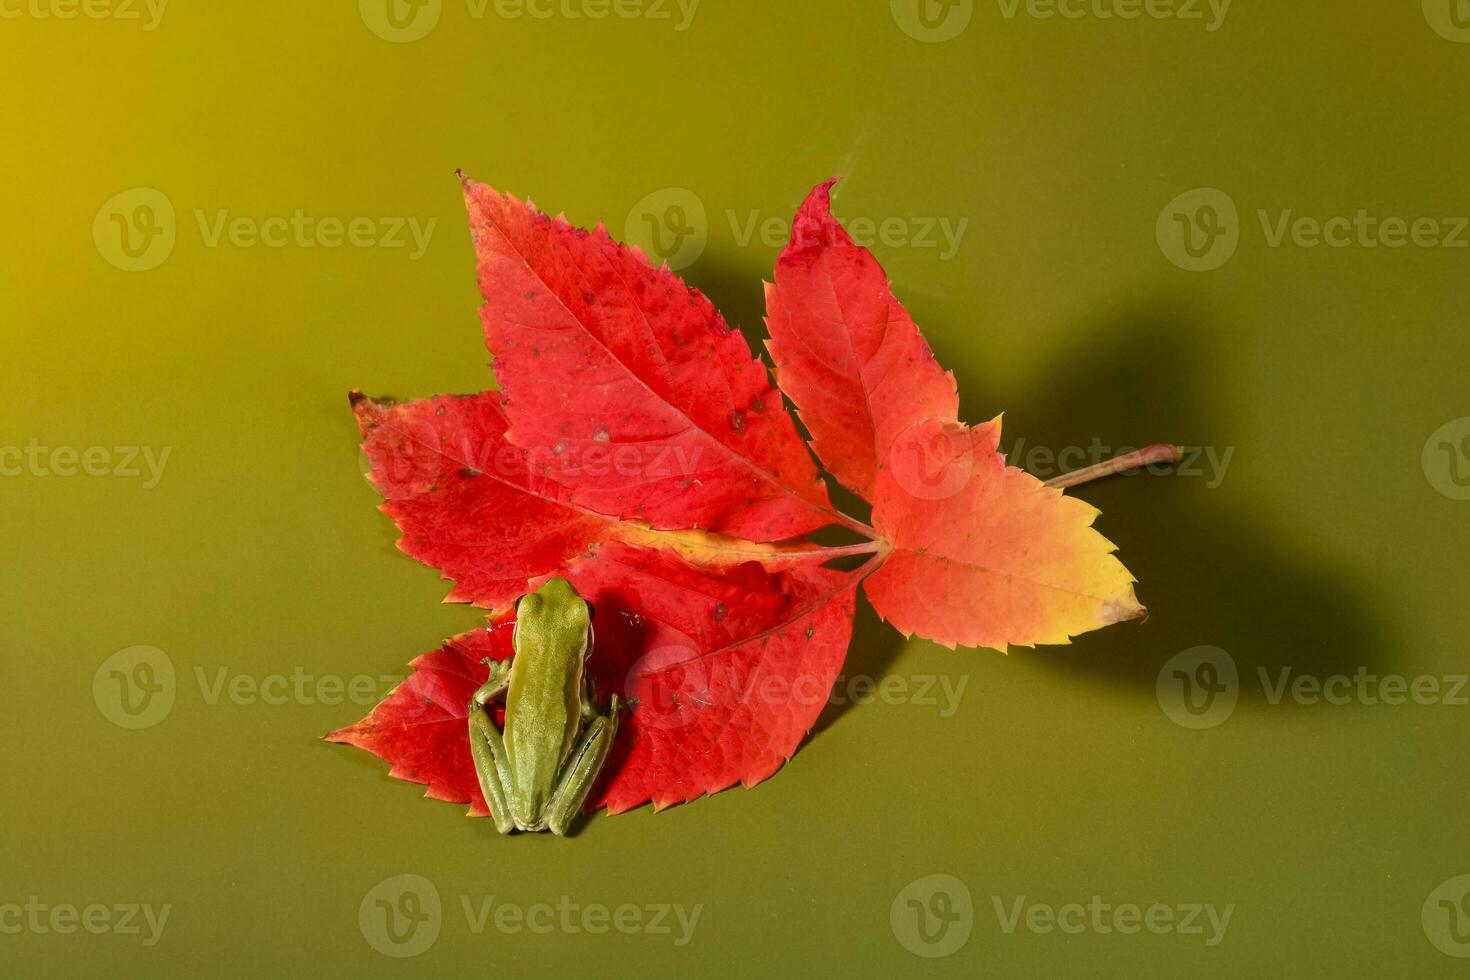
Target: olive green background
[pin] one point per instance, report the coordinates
(1325, 548)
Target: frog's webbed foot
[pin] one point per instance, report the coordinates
(495, 686)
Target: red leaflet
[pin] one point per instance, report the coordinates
(631, 388)
(421, 726)
(846, 351)
(985, 554)
(711, 710)
(466, 500)
(640, 451)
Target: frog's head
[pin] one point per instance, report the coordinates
(555, 610)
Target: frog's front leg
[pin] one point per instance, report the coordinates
(581, 770)
(492, 762)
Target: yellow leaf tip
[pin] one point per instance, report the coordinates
(1115, 611)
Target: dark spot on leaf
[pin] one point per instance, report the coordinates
(469, 472)
(737, 421)
(719, 611)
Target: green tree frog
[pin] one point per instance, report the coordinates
(536, 774)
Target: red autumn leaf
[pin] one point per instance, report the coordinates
(985, 554)
(640, 451)
(420, 727)
(846, 351)
(727, 701)
(467, 501)
(630, 387)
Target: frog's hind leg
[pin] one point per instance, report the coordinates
(487, 748)
(581, 770)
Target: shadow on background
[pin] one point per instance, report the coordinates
(1214, 567)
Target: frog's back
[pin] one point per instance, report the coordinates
(543, 703)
